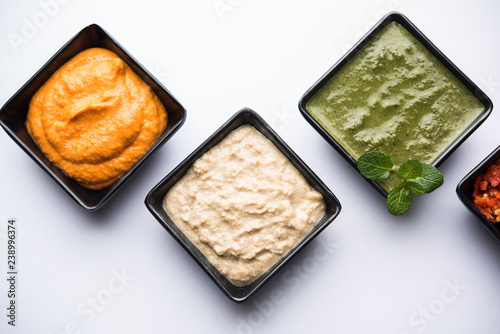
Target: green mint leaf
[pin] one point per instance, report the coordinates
(416, 189)
(410, 169)
(399, 199)
(431, 178)
(375, 165)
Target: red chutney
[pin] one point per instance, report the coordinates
(487, 193)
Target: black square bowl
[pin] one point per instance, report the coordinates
(408, 25)
(13, 113)
(154, 202)
(465, 189)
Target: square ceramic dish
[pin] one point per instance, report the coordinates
(465, 189)
(412, 29)
(154, 202)
(13, 113)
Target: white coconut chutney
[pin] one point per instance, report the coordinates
(244, 205)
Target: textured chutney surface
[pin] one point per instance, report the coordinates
(395, 97)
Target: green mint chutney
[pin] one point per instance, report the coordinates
(395, 97)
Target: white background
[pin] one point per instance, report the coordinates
(368, 272)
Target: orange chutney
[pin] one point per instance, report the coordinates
(94, 118)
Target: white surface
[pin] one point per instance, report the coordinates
(368, 272)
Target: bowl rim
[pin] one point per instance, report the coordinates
(395, 16)
(154, 201)
(464, 193)
(88, 199)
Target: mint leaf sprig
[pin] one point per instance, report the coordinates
(417, 178)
